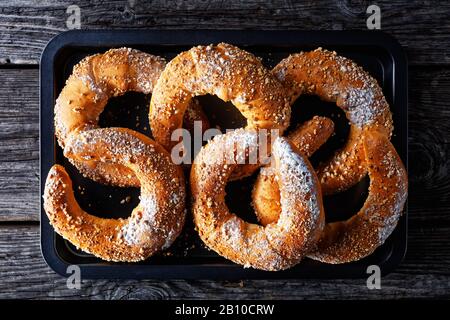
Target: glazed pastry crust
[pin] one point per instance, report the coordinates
(153, 225)
(276, 246)
(287, 195)
(337, 79)
(92, 83)
(223, 70)
(266, 194)
(359, 236)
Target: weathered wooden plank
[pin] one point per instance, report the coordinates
(421, 26)
(19, 147)
(429, 145)
(424, 274)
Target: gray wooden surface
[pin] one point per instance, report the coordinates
(423, 27)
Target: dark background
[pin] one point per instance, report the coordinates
(422, 27)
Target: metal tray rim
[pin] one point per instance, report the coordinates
(187, 37)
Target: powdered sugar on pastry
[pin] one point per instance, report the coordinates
(337, 79)
(154, 223)
(276, 246)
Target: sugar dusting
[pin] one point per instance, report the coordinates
(249, 244)
(360, 235)
(158, 219)
(93, 80)
(223, 70)
(358, 103)
(137, 230)
(338, 79)
(363, 99)
(398, 196)
(296, 179)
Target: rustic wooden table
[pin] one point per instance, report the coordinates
(422, 27)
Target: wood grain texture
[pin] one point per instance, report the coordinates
(421, 26)
(24, 274)
(428, 143)
(429, 146)
(19, 144)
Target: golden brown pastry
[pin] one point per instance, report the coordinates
(337, 79)
(223, 70)
(359, 236)
(276, 246)
(287, 195)
(154, 223)
(266, 194)
(93, 81)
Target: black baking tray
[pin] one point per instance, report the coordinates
(377, 52)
